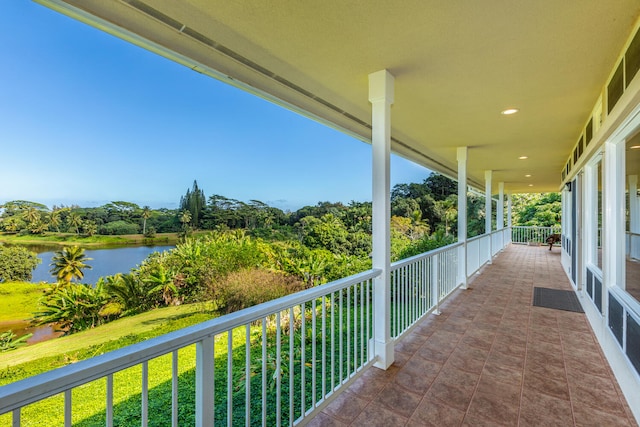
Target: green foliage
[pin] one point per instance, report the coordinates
(194, 202)
(67, 264)
(9, 341)
(73, 307)
(426, 244)
(249, 287)
(118, 228)
(17, 263)
(537, 209)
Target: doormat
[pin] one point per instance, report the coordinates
(557, 299)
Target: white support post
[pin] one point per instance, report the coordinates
(462, 216)
(487, 211)
(204, 382)
(500, 207)
(634, 205)
(381, 97)
(613, 227)
(509, 217)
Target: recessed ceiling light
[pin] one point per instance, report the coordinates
(527, 176)
(509, 111)
(523, 157)
(634, 147)
(530, 185)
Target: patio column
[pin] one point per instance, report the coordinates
(381, 97)
(487, 209)
(462, 216)
(500, 207)
(509, 212)
(509, 217)
(634, 205)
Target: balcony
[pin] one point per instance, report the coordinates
(491, 358)
(487, 358)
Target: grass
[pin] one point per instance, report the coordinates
(19, 300)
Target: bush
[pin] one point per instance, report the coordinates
(10, 341)
(249, 287)
(150, 233)
(17, 263)
(118, 228)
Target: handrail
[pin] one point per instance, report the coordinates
(21, 393)
(401, 263)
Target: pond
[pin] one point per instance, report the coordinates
(105, 262)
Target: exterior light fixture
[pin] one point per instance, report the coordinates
(523, 157)
(509, 111)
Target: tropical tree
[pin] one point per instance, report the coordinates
(185, 219)
(160, 280)
(17, 263)
(146, 214)
(74, 220)
(68, 263)
(195, 202)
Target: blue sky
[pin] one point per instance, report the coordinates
(86, 118)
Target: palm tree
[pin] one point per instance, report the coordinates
(146, 214)
(68, 264)
(31, 215)
(185, 219)
(161, 281)
(75, 221)
(54, 220)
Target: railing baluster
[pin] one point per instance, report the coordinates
(15, 418)
(324, 347)
(264, 371)
(229, 377)
(278, 371)
(291, 360)
(348, 333)
(314, 353)
(67, 408)
(247, 375)
(303, 360)
(145, 393)
(340, 352)
(435, 295)
(174, 388)
(333, 341)
(109, 409)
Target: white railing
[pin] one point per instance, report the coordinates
(526, 234)
(633, 245)
(272, 364)
(419, 284)
(277, 363)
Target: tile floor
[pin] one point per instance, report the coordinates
(492, 359)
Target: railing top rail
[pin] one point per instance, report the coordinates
(399, 264)
(29, 390)
(633, 234)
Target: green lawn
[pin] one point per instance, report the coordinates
(19, 300)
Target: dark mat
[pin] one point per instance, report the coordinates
(556, 298)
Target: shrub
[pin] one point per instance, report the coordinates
(119, 227)
(17, 263)
(249, 287)
(9, 341)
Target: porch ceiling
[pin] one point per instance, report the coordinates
(457, 64)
